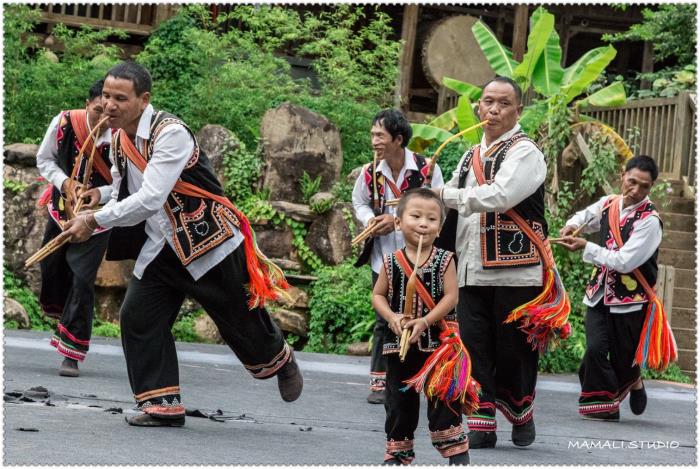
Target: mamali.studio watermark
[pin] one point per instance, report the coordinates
(622, 444)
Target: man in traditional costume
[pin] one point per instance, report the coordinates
(394, 170)
(197, 244)
(499, 265)
(68, 275)
(630, 232)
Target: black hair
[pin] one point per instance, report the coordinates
(96, 90)
(424, 193)
(643, 163)
(135, 73)
(395, 123)
(511, 82)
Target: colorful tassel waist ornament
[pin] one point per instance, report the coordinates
(447, 374)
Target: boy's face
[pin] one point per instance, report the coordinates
(637, 185)
(95, 111)
(420, 217)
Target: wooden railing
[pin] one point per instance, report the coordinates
(133, 18)
(666, 132)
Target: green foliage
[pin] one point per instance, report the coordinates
(242, 169)
(672, 373)
(668, 82)
(342, 191)
(341, 299)
(309, 186)
(307, 256)
(604, 166)
(14, 186)
(183, 329)
(322, 206)
(36, 87)
(105, 329)
(670, 28)
(16, 289)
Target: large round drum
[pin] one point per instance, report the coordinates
(451, 50)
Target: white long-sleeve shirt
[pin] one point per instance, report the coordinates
(643, 242)
(361, 202)
(47, 157)
(149, 192)
(522, 172)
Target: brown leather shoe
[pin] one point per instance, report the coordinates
(289, 380)
(147, 420)
(69, 368)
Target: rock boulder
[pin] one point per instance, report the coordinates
(329, 236)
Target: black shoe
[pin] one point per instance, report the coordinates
(523, 435)
(638, 400)
(376, 397)
(603, 416)
(69, 368)
(461, 459)
(147, 420)
(391, 462)
(479, 440)
(289, 380)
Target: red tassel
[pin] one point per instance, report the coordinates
(45, 196)
(657, 345)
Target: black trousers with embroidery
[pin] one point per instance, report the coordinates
(68, 290)
(403, 408)
(606, 372)
(378, 363)
(504, 363)
(151, 307)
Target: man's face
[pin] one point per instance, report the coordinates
(122, 105)
(499, 105)
(382, 142)
(636, 184)
(95, 111)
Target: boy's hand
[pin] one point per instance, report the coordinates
(418, 327)
(395, 324)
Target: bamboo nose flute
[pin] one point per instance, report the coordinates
(408, 312)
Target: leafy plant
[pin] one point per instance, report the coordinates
(14, 186)
(340, 300)
(309, 186)
(105, 328)
(16, 289)
(242, 169)
(322, 206)
(183, 329)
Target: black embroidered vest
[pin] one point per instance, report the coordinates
(432, 273)
(412, 180)
(503, 244)
(68, 149)
(623, 289)
(199, 224)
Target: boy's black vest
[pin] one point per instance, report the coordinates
(68, 148)
(412, 180)
(503, 244)
(622, 289)
(432, 275)
(199, 224)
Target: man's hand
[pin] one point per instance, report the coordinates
(573, 244)
(79, 228)
(384, 224)
(91, 198)
(567, 230)
(70, 190)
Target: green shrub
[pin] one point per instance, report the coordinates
(183, 329)
(341, 299)
(105, 328)
(309, 186)
(17, 290)
(242, 169)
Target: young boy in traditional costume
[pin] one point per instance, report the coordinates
(197, 244)
(419, 214)
(623, 315)
(68, 275)
(395, 170)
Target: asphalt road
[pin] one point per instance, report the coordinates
(82, 420)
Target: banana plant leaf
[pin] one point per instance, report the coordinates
(446, 120)
(498, 56)
(540, 31)
(462, 88)
(466, 117)
(548, 73)
(423, 134)
(584, 72)
(533, 117)
(611, 95)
